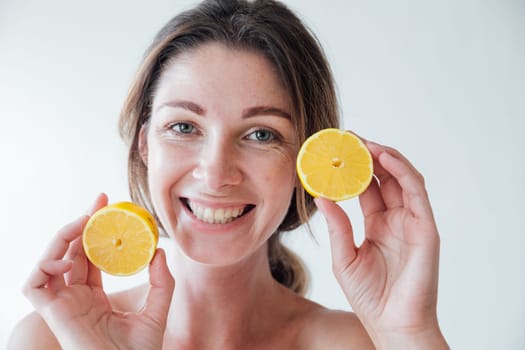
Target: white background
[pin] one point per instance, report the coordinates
(443, 81)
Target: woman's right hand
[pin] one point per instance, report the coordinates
(66, 290)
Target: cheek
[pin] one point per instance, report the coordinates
(279, 173)
(165, 156)
(159, 164)
(284, 168)
(278, 188)
(283, 175)
(166, 165)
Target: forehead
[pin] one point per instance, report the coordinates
(214, 70)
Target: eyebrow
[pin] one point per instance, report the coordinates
(265, 110)
(247, 113)
(188, 105)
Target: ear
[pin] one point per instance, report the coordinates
(143, 144)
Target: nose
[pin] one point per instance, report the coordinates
(218, 165)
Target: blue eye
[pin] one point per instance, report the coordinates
(262, 135)
(183, 128)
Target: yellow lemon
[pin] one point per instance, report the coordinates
(334, 164)
(120, 239)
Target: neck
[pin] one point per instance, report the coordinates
(224, 303)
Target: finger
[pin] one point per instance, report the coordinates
(371, 200)
(51, 268)
(60, 243)
(56, 269)
(94, 276)
(376, 149)
(41, 275)
(161, 289)
(414, 193)
(45, 280)
(79, 270)
(75, 253)
(390, 189)
(100, 202)
(342, 243)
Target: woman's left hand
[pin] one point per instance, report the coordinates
(391, 279)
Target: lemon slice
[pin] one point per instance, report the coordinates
(120, 239)
(334, 164)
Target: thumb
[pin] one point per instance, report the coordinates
(161, 289)
(344, 250)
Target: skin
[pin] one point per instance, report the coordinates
(212, 150)
(219, 162)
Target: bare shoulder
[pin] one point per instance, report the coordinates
(32, 332)
(334, 329)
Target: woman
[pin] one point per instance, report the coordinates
(225, 95)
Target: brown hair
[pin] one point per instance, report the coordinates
(263, 26)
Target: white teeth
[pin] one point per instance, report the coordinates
(215, 216)
(235, 211)
(199, 211)
(208, 215)
(218, 215)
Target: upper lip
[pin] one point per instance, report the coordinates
(215, 204)
(231, 210)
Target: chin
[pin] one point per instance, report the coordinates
(218, 252)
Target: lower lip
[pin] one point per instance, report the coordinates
(215, 228)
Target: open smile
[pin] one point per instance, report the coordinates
(221, 215)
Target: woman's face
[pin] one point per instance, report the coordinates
(220, 150)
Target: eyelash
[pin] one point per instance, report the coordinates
(173, 128)
(273, 135)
